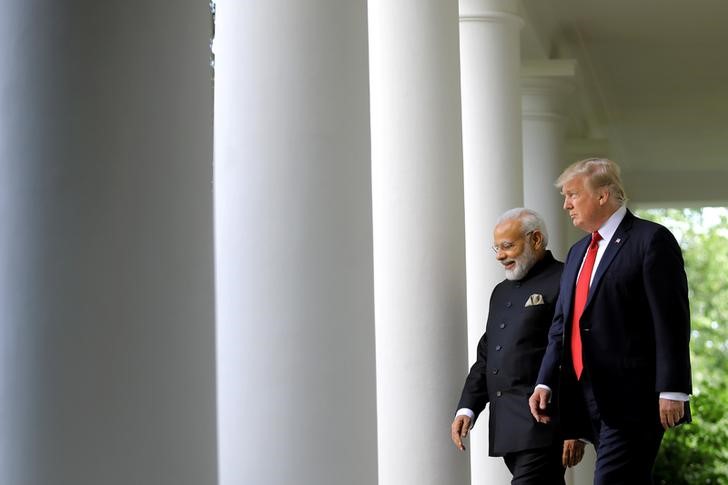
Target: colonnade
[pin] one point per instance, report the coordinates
(297, 314)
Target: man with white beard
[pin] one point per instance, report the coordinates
(509, 357)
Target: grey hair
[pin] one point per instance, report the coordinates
(530, 221)
(599, 172)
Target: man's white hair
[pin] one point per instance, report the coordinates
(530, 221)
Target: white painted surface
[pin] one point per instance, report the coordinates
(493, 168)
(654, 89)
(106, 288)
(544, 119)
(419, 242)
(293, 240)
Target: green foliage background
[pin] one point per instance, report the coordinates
(698, 453)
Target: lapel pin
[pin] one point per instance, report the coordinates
(618, 240)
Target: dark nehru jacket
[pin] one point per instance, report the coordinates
(509, 358)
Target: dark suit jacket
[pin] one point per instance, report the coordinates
(509, 356)
(635, 329)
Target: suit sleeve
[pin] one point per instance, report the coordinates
(551, 362)
(475, 391)
(666, 288)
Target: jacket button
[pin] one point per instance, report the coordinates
(587, 330)
(495, 371)
(498, 347)
(502, 325)
(509, 304)
(499, 394)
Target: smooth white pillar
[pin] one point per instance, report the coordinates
(545, 85)
(106, 286)
(293, 241)
(419, 244)
(493, 169)
(583, 473)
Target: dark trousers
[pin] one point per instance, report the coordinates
(625, 455)
(539, 466)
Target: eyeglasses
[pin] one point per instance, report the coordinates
(508, 245)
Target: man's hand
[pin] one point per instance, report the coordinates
(459, 431)
(573, 452)
(538, 402)
(671, 412)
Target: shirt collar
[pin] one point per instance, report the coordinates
(610, 227)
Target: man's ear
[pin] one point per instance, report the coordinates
(604, 195)
(537, 238)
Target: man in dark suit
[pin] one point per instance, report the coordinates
(509, 356)
(621, 328)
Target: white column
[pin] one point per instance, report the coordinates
(419, 244)
(106, 287)
(545, 85)
(583, 473)
(493, 169)
(293, 241)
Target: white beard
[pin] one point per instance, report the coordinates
(524, 263)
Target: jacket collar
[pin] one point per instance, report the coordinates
(620, 237)
(618, 240)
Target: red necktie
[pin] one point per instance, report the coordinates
(580, 296)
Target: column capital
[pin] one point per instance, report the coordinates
(490, 11)
(544, 86)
